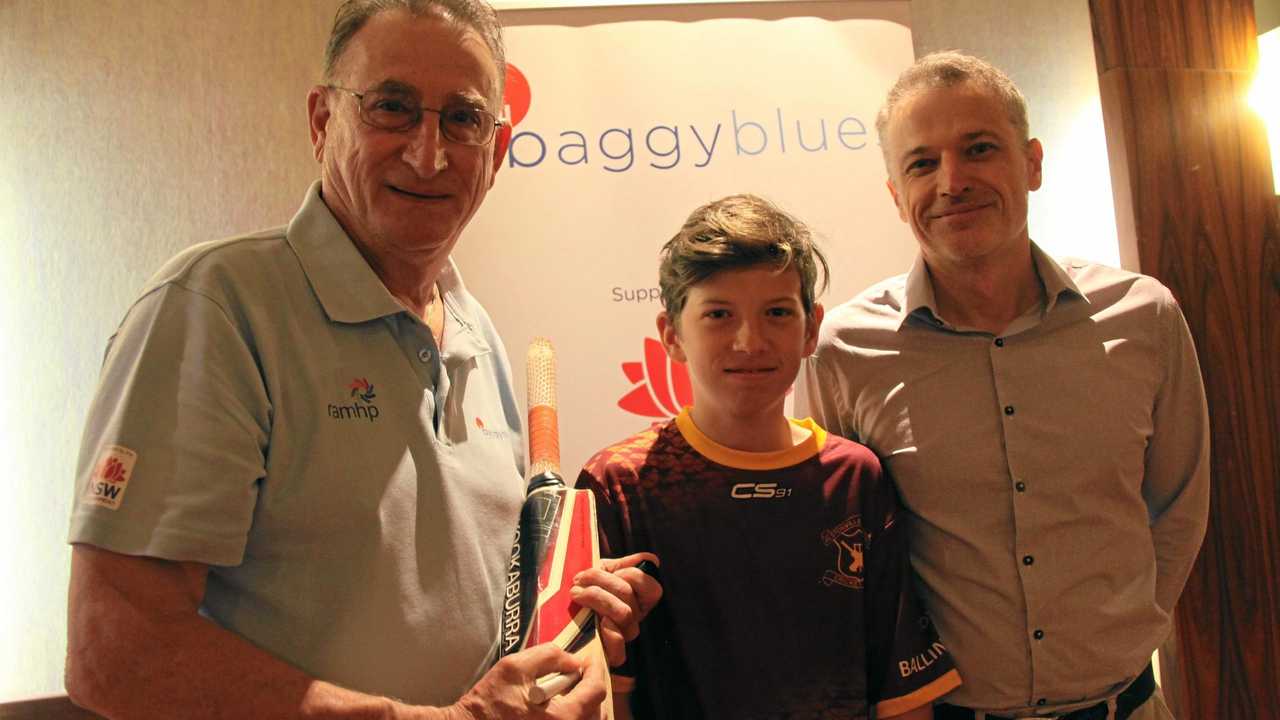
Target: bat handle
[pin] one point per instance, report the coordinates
(549, 686)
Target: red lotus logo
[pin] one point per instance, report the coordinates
(517, 97)
(661, 385)
(112, 471)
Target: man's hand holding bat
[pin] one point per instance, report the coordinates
(621, 594)
(506, 692)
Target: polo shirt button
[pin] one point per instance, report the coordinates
(1039, 634)
(1041, 701)
(424, 355)
(999, 342)
(1020, 486)
(1027, 560)
(1008, 409)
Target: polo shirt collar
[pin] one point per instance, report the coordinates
(468, 340)
(347, 288)
(920, 299)
(351, 292)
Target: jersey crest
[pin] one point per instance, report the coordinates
(847, 540)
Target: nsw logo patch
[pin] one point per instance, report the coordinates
(110, 477)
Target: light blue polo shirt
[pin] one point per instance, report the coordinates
(268, 408)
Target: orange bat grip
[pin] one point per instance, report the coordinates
(544, 439)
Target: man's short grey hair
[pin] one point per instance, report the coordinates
(475, 14)
(947, 69)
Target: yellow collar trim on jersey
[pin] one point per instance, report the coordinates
(744, 460)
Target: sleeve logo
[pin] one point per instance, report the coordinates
(110, 477)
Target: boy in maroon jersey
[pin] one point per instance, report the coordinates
(788, 592)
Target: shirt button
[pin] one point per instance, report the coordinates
(1039, 634)
(999, 342)
(1020, 486)
(1027, 560)
(1008, 409)
(1041, 701)
(424, 355)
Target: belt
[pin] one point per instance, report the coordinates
(1129, 699)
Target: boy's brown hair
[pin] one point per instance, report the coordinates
(734, 233)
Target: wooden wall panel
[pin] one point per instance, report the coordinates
(1192, 177)
(1202, 34)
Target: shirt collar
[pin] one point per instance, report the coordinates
(1055, 278)
(468, 339)
(919, 293)
(920, 300)
(347, 288)
(351, 292)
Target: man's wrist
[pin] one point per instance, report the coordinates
(401, 711)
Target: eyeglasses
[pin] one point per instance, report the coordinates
(399, 112)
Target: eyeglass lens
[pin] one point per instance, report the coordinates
(459, 122)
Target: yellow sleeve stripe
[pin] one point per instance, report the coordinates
(920, 696)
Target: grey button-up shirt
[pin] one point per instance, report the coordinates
(1056, 474)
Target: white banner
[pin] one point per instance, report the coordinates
(623, 128)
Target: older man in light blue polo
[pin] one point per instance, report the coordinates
(301, 473)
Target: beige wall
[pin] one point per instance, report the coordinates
(1267, 14)
(128, 130)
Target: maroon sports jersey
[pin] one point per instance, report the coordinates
(787, 586)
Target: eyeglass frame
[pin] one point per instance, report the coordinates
(417, 118)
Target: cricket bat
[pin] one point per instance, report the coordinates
(555, 540)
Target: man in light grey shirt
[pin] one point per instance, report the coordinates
(301, 472)
(1044, 420)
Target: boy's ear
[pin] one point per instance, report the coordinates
(670, 337)
(812, 324)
